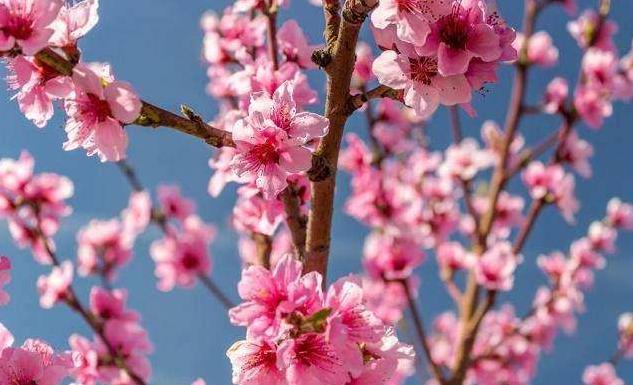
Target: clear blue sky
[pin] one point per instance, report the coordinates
(155, 44)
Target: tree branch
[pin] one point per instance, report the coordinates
(151, 115)
(339, 72)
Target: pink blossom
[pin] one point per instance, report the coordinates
(451, 256)
(393, 256)
(73, 23)
(620, 214)
(460, 35)
(602, 237)
(111, 304)
(592, 105)
(96, 114)
(351, 323)
(410, 18)
(540, 49)
(362, 67)
(38, 86)
(223, 172)
(255, 363)
(387, 300)
(555, 95)
(5, 278)
(27, 24)
(424, 87)
(260, 76)
(103, 248)
(577, 152)
(625, 328)
(268, 295)
(310, 360)
(226, 35)
(254, 214)
(584, 28)
(603, 374)
(173, 204)
(495, 268)
(554, 265)
(55, 287)
(294, 45)
(181, 256)
(465, 160)
(600, 69)
(541, 179)
(271, 141)
(583, 254)
(34, 363)
(563, 194)
(137, 215)
(389, 362)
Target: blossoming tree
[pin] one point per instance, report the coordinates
(455, 204)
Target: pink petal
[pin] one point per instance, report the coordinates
(124, 102)
(110, 140)
(453, 89)
(423, 99)
(388, 70)
(87, 81)
(295, 159)
(452, 61)
(308, 125)
(484, 43)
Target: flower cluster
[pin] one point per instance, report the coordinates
(106, 246)
(121, 333)
(272, 141)
(182, 255)
(296, 334)
(97, 106)
(35, 362)
(32, 204)
(439, 52)
(508, 347)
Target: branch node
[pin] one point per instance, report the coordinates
(320, 170)
(322, 57)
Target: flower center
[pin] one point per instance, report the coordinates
(19, 27)
(265, 153)
(423, 69)
(98, 108)
(190, 261)
(408, 6)
(453, 28)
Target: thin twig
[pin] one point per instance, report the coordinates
(159, 219)
(217, 292)
(73, 302)
(421, 333)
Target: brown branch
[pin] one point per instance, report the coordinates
(263, 249)
(533, 153)
(355, 102)
(295, 220)
(339, 73)
(151, 115)
(270, 12)
(471, 313)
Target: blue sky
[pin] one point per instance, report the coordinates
(155, 44)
